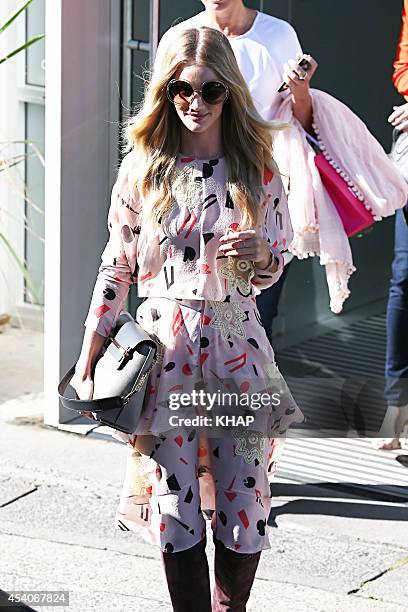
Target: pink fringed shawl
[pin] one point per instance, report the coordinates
(346, 143)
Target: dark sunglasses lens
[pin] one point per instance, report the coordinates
(180, 91)
(214, 92)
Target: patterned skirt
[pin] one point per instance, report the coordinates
(215, 416)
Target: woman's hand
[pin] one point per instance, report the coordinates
(399, 118)
(298, 80)
(246, 244)
(83, 384)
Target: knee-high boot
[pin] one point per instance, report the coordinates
(188, 579)
(234, 576)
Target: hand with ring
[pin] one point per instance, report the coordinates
(246, 244)
(298, 78)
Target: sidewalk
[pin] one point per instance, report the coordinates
(328, 553)
(331, 551)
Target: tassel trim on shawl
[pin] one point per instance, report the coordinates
(343, 174)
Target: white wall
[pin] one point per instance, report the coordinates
(79, 164)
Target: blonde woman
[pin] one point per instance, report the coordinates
(199, 220)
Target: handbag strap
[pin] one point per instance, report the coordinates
(92, 405)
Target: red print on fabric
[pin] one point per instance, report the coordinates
(179, 440)
(186, 160)
(186, 220)
(176, 388)
(203, 357)
(205, 319)
(205, 269)
(186, 369)
(244, 519)
(234, 226)
(230, 495)
(144, 277)
(267, 177)
(239, 358)
(101, 310)
(178, 322)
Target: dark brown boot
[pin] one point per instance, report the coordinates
(234, 576)
(188, 579)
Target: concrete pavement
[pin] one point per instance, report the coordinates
(58, 494)
(331, 551)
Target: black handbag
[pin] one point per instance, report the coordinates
(120, 376)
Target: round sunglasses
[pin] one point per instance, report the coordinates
(181, 92)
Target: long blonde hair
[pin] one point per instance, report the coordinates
(154, 133)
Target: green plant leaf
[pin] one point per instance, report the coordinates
(22, 267)
(13, 17)
(24, 46)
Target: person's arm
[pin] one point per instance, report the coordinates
(300, 90)
(116, 273)
(276, 230)
(400, 75)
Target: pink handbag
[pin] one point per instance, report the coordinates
(352, 211)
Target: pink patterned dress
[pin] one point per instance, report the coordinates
(201, 306)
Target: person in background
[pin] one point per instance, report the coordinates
(266, 49)
(396, 365)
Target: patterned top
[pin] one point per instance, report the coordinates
(181, 259)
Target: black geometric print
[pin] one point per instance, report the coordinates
(208, 236)
(209, 201)
(275, 203)
(189, 254)
(208, 169)
(184, 525)
(249, 482)
(261, 527)
(109, 293)
(216, 452)
(169, 366)
(223, 517)
(171, 282)
(172, 483)
(204, 342)
(228, 202)
(189, 496)
(253, 342)
(191, 435)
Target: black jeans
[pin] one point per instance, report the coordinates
(267, 302)
(396, 366)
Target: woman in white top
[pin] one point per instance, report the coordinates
(266, 49)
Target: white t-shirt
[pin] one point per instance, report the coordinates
(261, 54)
